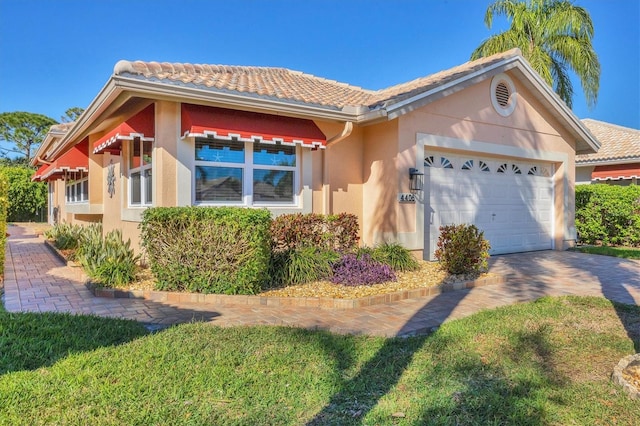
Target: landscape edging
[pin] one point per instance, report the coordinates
(309, 302)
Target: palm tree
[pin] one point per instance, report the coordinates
(554, 36)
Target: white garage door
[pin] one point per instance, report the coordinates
(511, 201)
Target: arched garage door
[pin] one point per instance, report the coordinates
(511, 201)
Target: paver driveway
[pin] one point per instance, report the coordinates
(35, 280)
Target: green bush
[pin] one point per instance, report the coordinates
(397, 257)
(27, 199)
(333, 232)
(208, 249)
(608, 214)
(302, 265)
(462, 249)
(4, 205)
(110, 260)
(64, 235)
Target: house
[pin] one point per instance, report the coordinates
(618, 160)
(486, 142)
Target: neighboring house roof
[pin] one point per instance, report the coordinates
(618, 144)
(285, 92)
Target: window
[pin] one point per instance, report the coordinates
(234, 172)
(77, 188)
(140, 173)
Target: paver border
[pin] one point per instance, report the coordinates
(309, 302)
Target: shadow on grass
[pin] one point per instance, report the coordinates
(29, 341)
(489, 393)
(380, 373)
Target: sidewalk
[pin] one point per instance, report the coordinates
(37, 281)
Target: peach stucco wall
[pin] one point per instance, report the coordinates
(338, 173)
(469, 116)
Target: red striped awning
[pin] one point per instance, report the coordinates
(228, 124)
(38, 174)
(616, 171)
(141, 125)
(74, 160)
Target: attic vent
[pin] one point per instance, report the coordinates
(503, 95)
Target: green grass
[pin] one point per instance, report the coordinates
(624, 252)
(546, 362)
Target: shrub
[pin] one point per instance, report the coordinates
(4, 205)
(608, 214)
(396, 256)
(462, 249)
(110, 260)
(334, 232)
(64, 235)
(208, 249)
(302, 265)
(26, 198)
(361, 270)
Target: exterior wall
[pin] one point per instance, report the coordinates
(338, 174)
(583, 174)
(381, 219)
(469, 120)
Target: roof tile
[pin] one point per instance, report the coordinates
(617, 142)
(295, 86)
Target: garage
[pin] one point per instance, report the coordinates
(510, 200)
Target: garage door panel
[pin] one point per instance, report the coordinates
(514, 210)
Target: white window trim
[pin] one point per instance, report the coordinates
(77, 196)
(143, 167)
(247, 177)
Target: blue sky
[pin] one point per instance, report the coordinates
(58, 54)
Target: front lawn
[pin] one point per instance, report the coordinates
(546, 362)
(624, 252)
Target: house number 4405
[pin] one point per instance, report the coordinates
(406, 197)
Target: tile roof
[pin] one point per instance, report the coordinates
(61, 127)
(617, 142)
(295, 86)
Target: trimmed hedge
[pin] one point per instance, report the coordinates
(608, 214)
(4, 206)
(224, 250)
(332, 232)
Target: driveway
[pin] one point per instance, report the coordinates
(36, 281)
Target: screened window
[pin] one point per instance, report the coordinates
(245, 172)
(140, 173)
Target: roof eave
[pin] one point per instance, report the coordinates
(83, 124)
(577, 128)
(157, 89)
(600, 162)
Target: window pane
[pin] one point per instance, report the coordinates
(134, 183)
(218, 184)
(273, 186)
(148, 181)
(147, 149)
(274, 155)
(219, 151)
(85, 190)
(134, 154)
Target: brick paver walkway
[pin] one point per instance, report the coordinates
(36, 281)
